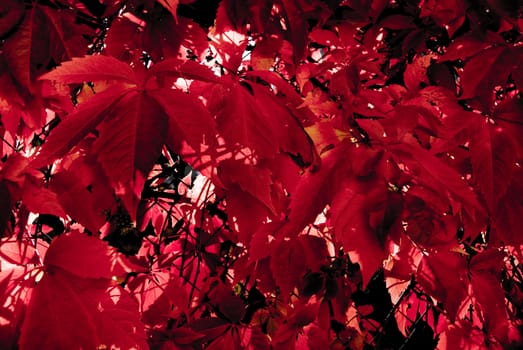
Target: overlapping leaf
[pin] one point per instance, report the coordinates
(132, 124)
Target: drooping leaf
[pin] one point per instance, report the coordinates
(46, 37)
(188, 119)
(480, 83)
(287, 265)
(170, 5)
(129, 154)
(18, 50)
(316, 189)
(67, 39)
(57, 318)
(12, 12)
(84, 192)
(91, 68)
(16, 252)
(485, 268)
(254, 180)
(118, 322)
(240, 120)
(439, 176)
(352, 224)
(188, 70)
(79, 254)
(493, 161)
(78, 124)
(443, 275)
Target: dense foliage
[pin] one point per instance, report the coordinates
(253, 174)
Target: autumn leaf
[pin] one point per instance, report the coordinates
(258, 162)
(443, 179)
(238, 121)
(91, 68)
(127, 156)
(480, 84)
(287, 265)
(68, 312)
(316, 190)
(84, 192)
(443, 274)
(255, 181)
(188, 119)
(13, 12)
(45, 36)
(84, 119)
(493, 161)
(484, 270)
(82, 255)
(184, 69)
(171, 6)
(354, 227)
(49, 322)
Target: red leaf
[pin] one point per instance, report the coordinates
(485, 272)
(324, 37)
(12, 11)
(253, 180)
(212, 327)
(46, 36)
(170, 5)
(246, 211)
(317, 338)
(118, 321)
(416, 72)
(434, 173)
(315, 190)
(470, 44)
(239, 121)
(82, 255)
(186, 336)
(289, 132)
(232, 307)
(128, 154)
(463, 335)
(315, 250)
(288, 264)
(187, 70)
(40, 199)
(351, 220)
(480, 83)
(67, 38)
(57, 318)
(446, 13)
(443, 275)
(66, 312)
(17, 51)
(16, 252)
(91, 68)
(297, 27)
(188, 121)
(77, 125)
(493, 161)
(14, 169)
(84, 192)
(160, 297)
(254, 339)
